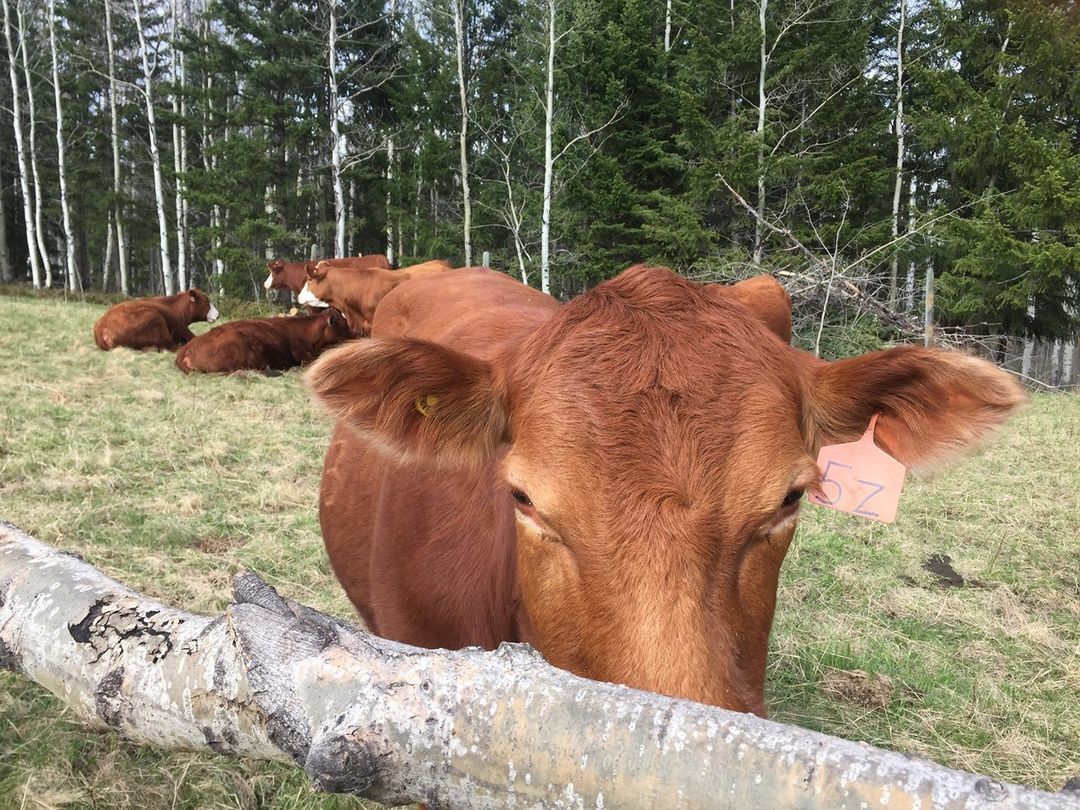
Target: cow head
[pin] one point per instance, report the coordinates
(200, 306)
(334, 328)
(283, 275)
(656, 439)
(356, 291)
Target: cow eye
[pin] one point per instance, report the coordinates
(793, 497)
(521, 498)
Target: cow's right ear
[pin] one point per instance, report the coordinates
(414, 399)
(765, 297)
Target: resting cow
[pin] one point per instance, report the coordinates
(153, 323)
(263, 343)
(615, 480)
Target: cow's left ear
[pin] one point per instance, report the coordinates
(194, 296)
(933, 403)
(765, 297)
(413, 399)
(314, 271)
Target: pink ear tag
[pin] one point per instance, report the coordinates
(860, 478)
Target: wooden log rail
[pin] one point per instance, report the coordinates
(272, 679)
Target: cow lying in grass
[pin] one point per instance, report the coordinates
(615, 480)
(264, 343)
(153, 323)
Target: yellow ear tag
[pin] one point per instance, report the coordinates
(426, 403)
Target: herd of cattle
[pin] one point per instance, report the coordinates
(340, 294)
(614, 480)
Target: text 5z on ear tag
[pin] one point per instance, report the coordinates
(860, 478)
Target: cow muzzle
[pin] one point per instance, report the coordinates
(307, 298)
(269, 283)
(212, 315)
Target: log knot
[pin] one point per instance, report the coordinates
(338, 763)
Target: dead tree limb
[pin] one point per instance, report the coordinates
(272, 679)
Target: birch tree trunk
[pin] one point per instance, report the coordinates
(899, 125)
(274, 680)
(759, 232)
(20, 149)
(549, 164)
(179, 136)
(909, 279)
(1067, 352)
(69, 236)
(7, 272)
(39, 227)
(155, 158)
(667, 28)
(1029, 344)
(114, 122)
(390, 199)
(458, 7)
(338, 146)
(110, 247)
(209, 161)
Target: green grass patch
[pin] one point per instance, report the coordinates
(172, 484)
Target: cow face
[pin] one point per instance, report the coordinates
(335, 328)
(201, 307)
(355, 291)
(656, 439)
(283, 275)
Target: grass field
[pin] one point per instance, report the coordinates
(172, 484)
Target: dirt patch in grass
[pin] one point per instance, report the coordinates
(940, 565)
(859, 688)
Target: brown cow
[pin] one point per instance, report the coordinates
(615, 480)
(355, 291)
(285, 275)
(154, 323)
(263, 343)
(427, 268)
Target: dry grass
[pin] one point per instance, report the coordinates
(173, 484)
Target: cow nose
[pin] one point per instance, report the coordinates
(212, 315)
(269, 281)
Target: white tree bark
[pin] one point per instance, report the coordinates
(65, 208)
(274, 680)
(1067, 352)
(1029, 345)
(928, 306)
(390, 199)
(20, 149)
(179, 137)
(155, 157)
(458, 7)
(667, 28)
(7, 272)
(110, 248)
(763, 66)
(114, 122)
(210, 162)
(909, 279)
(39, 226)
(549, 161)
(337, 150)
(899, 128)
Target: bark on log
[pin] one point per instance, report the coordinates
(272, 679)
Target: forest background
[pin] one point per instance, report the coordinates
(855, 148)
